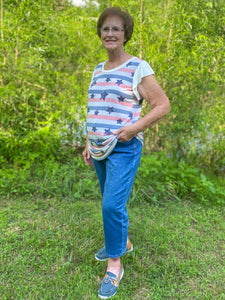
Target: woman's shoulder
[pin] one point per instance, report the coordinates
(141, 61)
(142, 64)
(99, 66)
(98, 69)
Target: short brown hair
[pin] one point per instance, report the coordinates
(127, 20)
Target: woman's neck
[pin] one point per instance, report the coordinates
(116, 59)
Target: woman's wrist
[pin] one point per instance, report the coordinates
(137, 129)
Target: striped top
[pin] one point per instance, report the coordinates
(113, 102)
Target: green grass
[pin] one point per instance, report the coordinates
(48, 245)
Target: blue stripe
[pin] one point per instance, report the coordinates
(105, 126)
(115, 110)
(114, 76)
(137, 106)
(99, 66)
(132, 63)
(109, 91)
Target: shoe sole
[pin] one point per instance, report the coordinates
(100, 259)
(105, 297)
(103, 259)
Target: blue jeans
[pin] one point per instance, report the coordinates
(116, 176)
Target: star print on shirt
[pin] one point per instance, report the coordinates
(110, 109)
(104, 95)
(119, 121)
(107, 131)
(96, 112)
(92, 96)
(120, 98)
(94, 82)
(107, 79)
(94, 128)
(119, 82)
(98, 142)
(130, 115)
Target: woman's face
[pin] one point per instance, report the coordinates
(112, 33)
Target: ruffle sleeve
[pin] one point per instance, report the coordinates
(142, 70)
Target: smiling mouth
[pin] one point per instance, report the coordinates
(110, 40)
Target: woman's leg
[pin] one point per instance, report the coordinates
(121, 167)
(100, 168)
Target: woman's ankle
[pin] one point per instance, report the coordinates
(114, 266)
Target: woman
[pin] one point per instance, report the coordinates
(114, 134)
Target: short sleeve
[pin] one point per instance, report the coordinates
(142, 70)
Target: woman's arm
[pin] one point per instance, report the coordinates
(150, 90)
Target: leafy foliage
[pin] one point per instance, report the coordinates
(49, 49)
(159, 179)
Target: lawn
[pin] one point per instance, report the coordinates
(48, 245)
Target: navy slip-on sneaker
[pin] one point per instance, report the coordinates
(110, 284)
(101, 254)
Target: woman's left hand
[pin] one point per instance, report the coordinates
(126, 133)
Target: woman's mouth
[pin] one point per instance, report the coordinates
(109, 40)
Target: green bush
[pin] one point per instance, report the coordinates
(48, 56)
(70, 179)
(159, 179)
(163, 178)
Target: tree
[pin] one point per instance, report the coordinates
(47, 56)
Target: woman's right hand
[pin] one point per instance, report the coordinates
(87, 156)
